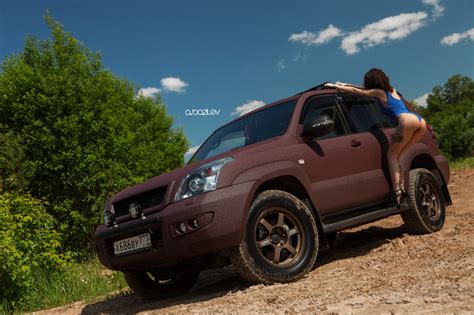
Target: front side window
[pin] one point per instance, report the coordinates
(324, 105)
(262, 125)
(365, 113)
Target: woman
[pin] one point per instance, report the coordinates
(411, 126)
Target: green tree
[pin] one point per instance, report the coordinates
(457, 89)
(450, 111)
(11, 157)
(84, 132)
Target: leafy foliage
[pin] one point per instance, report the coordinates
(11, 158)
(451, 113)
(84, 133)
(29, 242)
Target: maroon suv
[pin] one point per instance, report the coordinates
(266, 192)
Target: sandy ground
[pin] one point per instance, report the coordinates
(373, 269)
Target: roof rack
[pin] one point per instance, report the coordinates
(315, 88)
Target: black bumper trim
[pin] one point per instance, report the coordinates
(127, 227)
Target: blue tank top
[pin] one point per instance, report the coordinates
(394, 107)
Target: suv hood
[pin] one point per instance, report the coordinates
(172, 179)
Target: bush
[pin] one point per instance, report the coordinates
(451, 113)
(455, 131)
(28, 243)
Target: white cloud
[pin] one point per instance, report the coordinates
(389, 28)
(247, 107)
(437, 9)
(422, 100)
(299, 56)
(280, 65)
(148, 92)
(192, 150)
(172, 84)
(322, 37)
(457, 37)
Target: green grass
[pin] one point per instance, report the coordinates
(462, 163)
(87, 281)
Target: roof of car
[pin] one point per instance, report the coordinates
(315, 88)
(295, 96)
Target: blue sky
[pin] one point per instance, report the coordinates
(233, 56)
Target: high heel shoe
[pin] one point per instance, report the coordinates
(402, 198)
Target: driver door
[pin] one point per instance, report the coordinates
(343, 167)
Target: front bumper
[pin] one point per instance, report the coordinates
(223, 213)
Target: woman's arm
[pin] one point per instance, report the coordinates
(354, 89)
(349, 84)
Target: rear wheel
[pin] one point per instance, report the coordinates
(280, 242)
(150, 286)
(427, 209)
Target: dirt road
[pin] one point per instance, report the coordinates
(375, 268)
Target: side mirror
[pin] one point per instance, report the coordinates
(317, 127)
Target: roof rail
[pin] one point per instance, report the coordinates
(315, 88)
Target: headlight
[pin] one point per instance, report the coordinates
(202, 179)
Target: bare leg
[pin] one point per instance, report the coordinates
(416, 137)
(403, 133)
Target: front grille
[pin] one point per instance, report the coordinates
(146, 200)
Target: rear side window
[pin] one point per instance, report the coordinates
(324, 105)
(365, 113)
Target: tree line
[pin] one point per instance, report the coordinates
(71, 134)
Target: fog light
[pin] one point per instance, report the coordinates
(109, 218)
(135, 210)
(182, 227)
(195, 223)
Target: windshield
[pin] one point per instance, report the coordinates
(262, 125)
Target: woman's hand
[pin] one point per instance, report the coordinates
(331, 85)
(345, 87)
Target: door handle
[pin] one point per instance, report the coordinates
(355, 143)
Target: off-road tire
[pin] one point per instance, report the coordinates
(246, 258)
(151, 289)
(416, 218)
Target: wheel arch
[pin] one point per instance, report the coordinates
(424, 160)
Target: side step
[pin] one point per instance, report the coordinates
(360, 219)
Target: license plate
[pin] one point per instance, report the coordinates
(132, 244)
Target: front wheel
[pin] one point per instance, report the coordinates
(426, 213)
(150, 286)
(280, 242)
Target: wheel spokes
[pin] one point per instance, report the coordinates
(291, 249)
(278, 237)
(266, 224)
(293, 231)
(281, 220)
(276, 255)
(429, 202)
(428, 191)
(264, 242)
